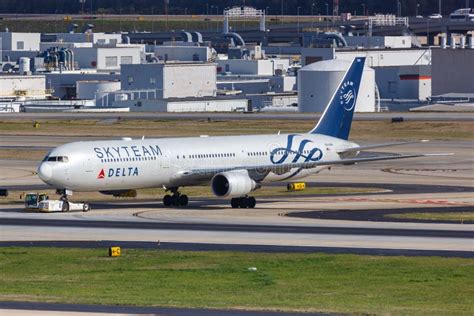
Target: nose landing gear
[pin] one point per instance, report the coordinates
(177, 199)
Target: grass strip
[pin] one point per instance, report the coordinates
(362, 130)
(290, 282)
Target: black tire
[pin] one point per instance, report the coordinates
(65, 207)
(167, 200)
(86, 207)
(175, 200)
(183, 200)
(242, 202)
(234, 203)
(250, 202)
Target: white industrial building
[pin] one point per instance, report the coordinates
(97, 90)
(12, 41)
(103, 58)
(206, 104)
(317, 83)
(184, 53)
(88, 37)
(170, 80)
(171, 87)
(452, 70)
(257, 84)
(23, 87)
(14, 45)
(399, 73)
(379, 41)
(260, 67)
(64, 84)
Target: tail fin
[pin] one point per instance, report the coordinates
(337, 118)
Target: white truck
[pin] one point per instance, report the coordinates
(40, 202)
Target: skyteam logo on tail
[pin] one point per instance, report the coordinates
(347, 95)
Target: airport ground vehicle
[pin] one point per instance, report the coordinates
(435, 16)
(40, 202)
(466, 14)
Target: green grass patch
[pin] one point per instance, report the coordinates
(293, 282)
(437, 216)
(362, 130)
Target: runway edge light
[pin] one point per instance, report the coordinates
(115, 252)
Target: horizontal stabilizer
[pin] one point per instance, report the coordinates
(368, 147)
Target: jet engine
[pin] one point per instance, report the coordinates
(233, 184)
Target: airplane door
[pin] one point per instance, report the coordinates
(90, 173)
(164, 166)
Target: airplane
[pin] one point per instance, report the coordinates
(233, 166)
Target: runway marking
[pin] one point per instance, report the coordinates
(30, 173)
(410, 201)
(420, 172)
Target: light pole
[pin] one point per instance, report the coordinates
(217, 20)
(207, 15)
(399, 8)
(281, 20)
(152, 20)
(298, 17)
(82, 2)
(363, 9)
(312, 15)
(439, 7)
(417, 6)
(185, 19)
(327, 16)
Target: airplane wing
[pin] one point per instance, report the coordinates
(368, 147)
(282, 168)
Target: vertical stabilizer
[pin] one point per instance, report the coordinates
(337, 118)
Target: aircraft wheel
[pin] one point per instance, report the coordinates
(86, 207)
(167, 200)
(65, 207)
(183, 200)
(234, 203)
(250, 202)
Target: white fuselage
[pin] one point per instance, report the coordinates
(164, 162)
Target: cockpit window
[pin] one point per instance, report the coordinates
(57, 158)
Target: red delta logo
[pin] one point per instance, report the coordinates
(101, 174)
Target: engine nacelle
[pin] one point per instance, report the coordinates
(233, 184)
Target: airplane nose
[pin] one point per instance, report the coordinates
(45, 172)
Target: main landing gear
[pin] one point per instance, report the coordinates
(243, 202)
(177, 199)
